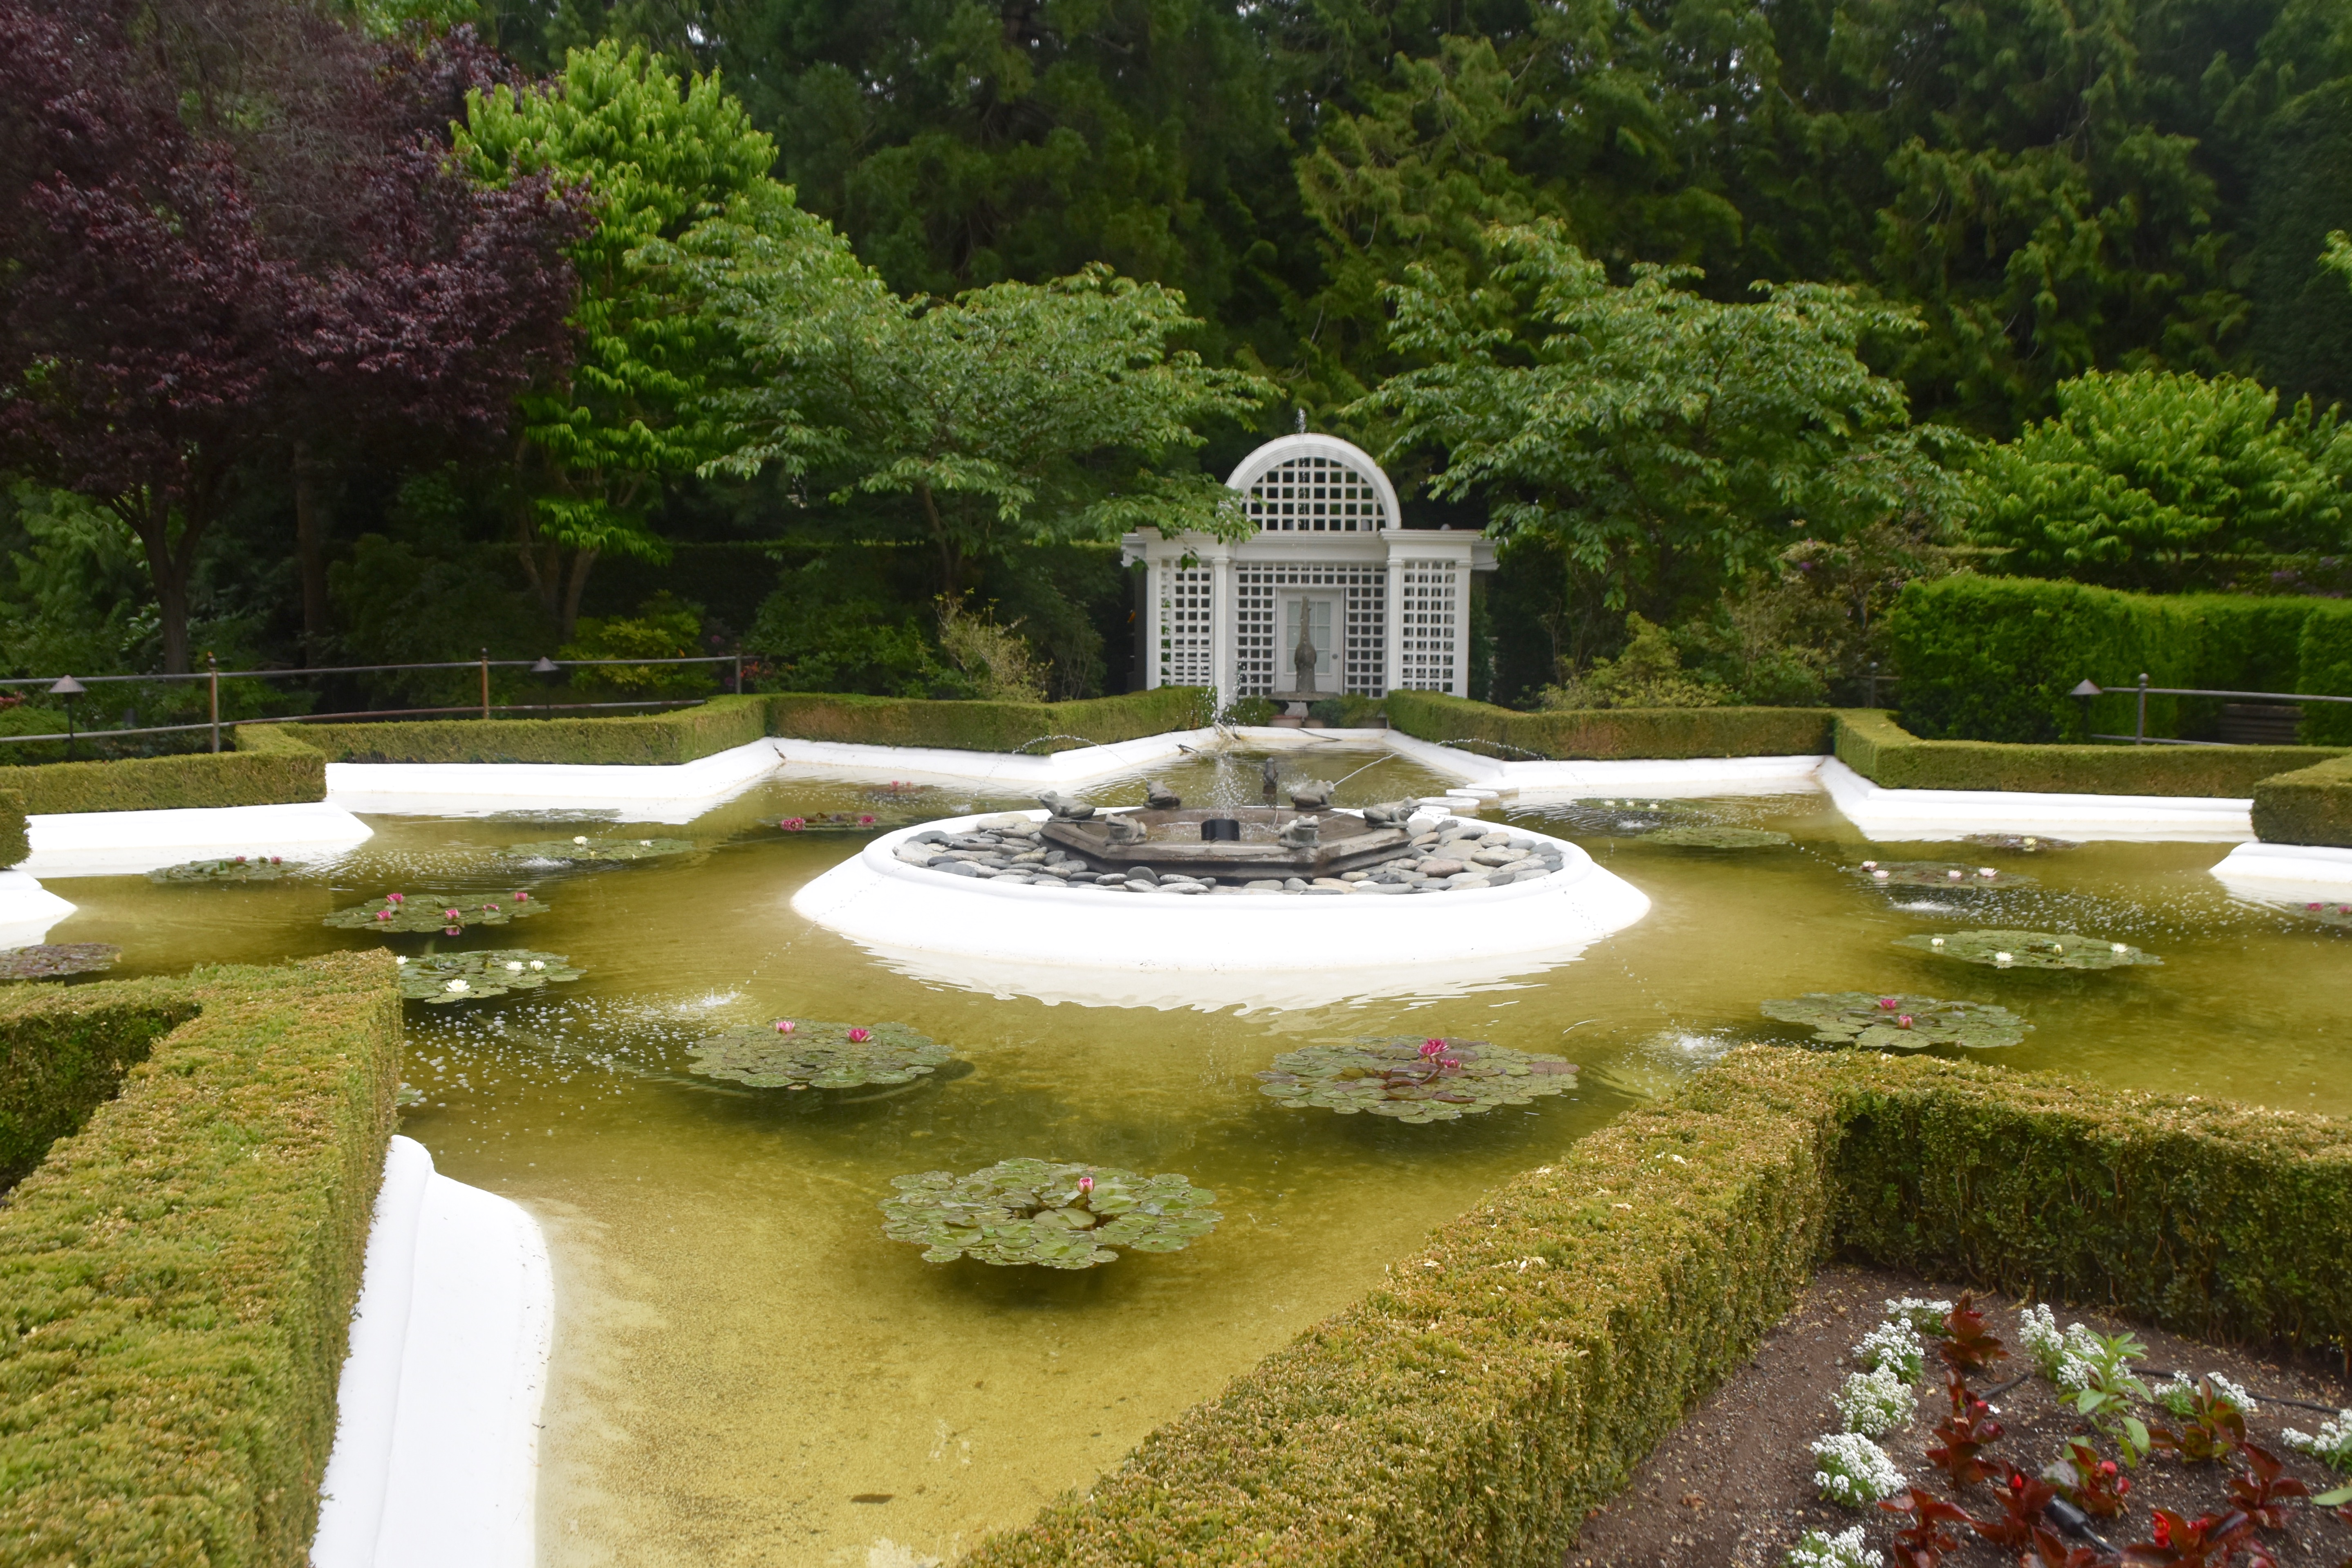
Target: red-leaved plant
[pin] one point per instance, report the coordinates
(1923, 1543)
(1966, 1347)
(2206, 1543)
(2049, 1552)
(2262, 1485)
(2215, 1428)
(1964, 1434)
(2022, 1502)
(2092, 1484)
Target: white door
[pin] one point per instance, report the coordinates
(1314, 617)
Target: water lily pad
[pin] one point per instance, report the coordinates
(1951, 874)
(1884, 1023)
(2025, 843)
(583, 851)
(1720, 837)
(446, 977)
(1047, 1213)
(433, 913)
(52, 961)
(812, 1055)
(1415, 1081)
(848, 821)
(2029, 949)
(231, 868)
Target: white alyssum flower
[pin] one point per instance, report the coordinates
(1853, 1470)
(2234, 1393)
(2331, 1444)
(1819, 1549)
(2037, 1331)
(1925, 1316)
(1874, 1402)
(2176, 1395)
(1894, 1346)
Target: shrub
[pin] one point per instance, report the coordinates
(985, 726)
(1648, 674)
(662, 628)
(1618, 731)
(995, 659)
(2308, 806)
(165, 784)
(1853, 1470)
(176, 1279)
(1882, 750)
(1513, 1372)
(643, 740)
(15, 842)
(63, 1052)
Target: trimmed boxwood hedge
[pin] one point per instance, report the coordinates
(176, 1279)
(968, 726)
(14, 844)
(643, 740)
(63, 1052)
(1992, 658)
(1605, 732)
(162, 783)
(1507, 1379)
(1873, 745)
(2309, 806)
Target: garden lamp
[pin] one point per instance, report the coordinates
(69, 688)
(2083, 693)
(546, 666)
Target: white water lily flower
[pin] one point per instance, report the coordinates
(1955, 876)
(2003, 958)
(513, 967)
(1987, 872)
(2119, 947)
(456, 985)
(645, 843)
(1870, 865)
(579, 838)
(539, 963)
(1935, 941)
(400, 960)
(1879, 876)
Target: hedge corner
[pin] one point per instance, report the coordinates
(16, 842)
(2309, 806)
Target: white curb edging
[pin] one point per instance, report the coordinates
(2271, 872)
(27, 910)
(1119, 949)
(1932, 814)
(127, 843)
(435, 1463)
(934, 765)
(670, 792)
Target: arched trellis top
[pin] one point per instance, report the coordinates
(1316, 484)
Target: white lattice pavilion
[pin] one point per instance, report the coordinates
(1387, 607)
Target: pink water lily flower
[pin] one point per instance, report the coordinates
(396, 897)
(860, 1037)
(384, 914)
(240, 859)
(785, 1025)
(1903, 1022)
(1086, 1185)
(1432, 1047)
(1888, 1003)
(866, 822)
(451, 915)
(452, 931)
(520, 897)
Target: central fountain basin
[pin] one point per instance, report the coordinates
(1179, 840)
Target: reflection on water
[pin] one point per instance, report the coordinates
(749, 1374)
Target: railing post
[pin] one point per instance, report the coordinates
(738, 672)
(2139, 728)
(212, 680)
(1874, 685)
(486, 683)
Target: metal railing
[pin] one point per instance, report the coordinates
(68, 688)
(2139, 735)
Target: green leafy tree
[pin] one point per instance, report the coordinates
(1014, 414)
(1669, 441)
(660, 160)
(2157, 480)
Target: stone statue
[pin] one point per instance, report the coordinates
(1311, 795)
(1303, 657)
(1303, 834)
(1160, 797)
(1270, 774)
(1124, 829)
(1388, 812)
(1063, 809)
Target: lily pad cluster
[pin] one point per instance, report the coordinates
(1413, 1080)
(2029, 949)
(1946, 874)
(54, 960)
(586, 851)
(1045, 1213)
(1620, 817)
(433, 913)
(447, 977)
(799, 1053)
(846, 822)
(229, 868)
(2339, 915)
(2025, 843)
(1883, 1023)
(1720, 837)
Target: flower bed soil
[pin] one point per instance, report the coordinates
(1732, 1485)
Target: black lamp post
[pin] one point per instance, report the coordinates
(2082, 694)
(69, 688)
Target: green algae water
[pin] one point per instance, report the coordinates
(747, 1373)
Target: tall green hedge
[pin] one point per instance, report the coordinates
(1992, 658)
(63, 1052)
(644, 739)
(177, 1277)
(1605, 733)
(1507, 1378)
(162, 783)
(14, 840)
(2309, 806)
(1873, 745)
(965, 726)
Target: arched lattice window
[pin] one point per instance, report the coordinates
(1317, 495)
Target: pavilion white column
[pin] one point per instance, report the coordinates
(1155, 582)
(1460, 687)
(1392, 651)
(1225, 652)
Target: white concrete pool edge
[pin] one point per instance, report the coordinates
(129, 843)
(1931, 813)
(2273, 873)
(435, 1462)
(27, 910)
